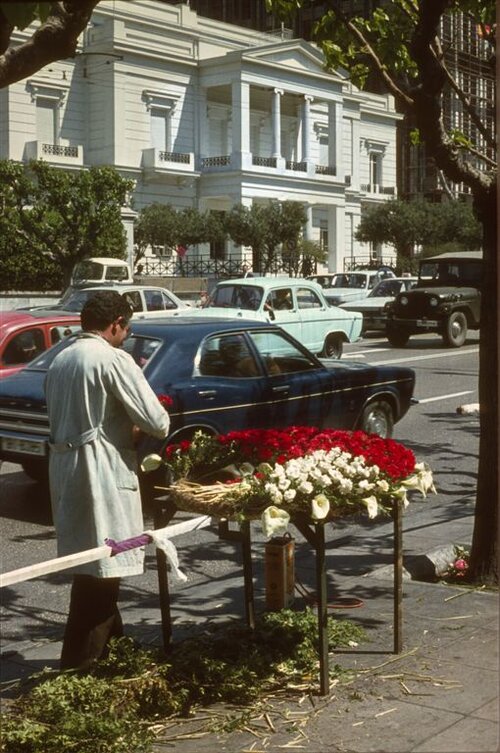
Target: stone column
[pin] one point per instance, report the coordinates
(308, 227)
(335, 139)
(306, 128)
(336, 241)
(240, 99)
(276, 122)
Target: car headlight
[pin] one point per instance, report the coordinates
(403, 300)
(434, 301)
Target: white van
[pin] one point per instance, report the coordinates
(101, 270)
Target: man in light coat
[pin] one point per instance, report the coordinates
(98, 400)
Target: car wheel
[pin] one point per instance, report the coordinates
(36, 470)
(455, 330)
(378, 418)
(397, 338)
(333, 347)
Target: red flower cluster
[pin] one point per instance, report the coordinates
(271, 445)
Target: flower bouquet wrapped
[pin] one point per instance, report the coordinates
(274, 475)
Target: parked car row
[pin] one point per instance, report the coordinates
(220, 375)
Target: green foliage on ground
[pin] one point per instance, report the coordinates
(115, 706)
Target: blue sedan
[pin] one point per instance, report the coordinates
(220, 375)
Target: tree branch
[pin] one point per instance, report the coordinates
(394, 89)
(55, 39)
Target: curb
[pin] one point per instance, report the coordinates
(421, 567)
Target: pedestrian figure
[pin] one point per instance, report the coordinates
(98, 402)
(245, 270)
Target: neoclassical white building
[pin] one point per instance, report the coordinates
(208, 115)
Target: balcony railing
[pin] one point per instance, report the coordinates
(325, 170)
(174, 157)
(60, 151)
(375, 188)
(62, 154)
(297, 166)
(165, 161)
(221, 161)
(264, 161)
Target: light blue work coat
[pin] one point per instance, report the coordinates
(95, 395)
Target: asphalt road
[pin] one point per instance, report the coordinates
(446, 378)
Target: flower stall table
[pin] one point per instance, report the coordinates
(314, 532)
(304, 476)
(166, 508)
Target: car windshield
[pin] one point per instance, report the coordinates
(74, 300)
(349, 281)
(140, 348)
(246, 297)
(87, 270)
(386, 288)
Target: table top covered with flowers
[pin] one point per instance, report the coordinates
(274, 475)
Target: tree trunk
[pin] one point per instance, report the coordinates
(484, 552)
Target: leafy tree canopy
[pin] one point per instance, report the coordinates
(408, 224)
(264, 227)
(53, 219)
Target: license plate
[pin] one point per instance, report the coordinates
(24, 446)
(426, 323)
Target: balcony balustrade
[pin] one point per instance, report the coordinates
(264, 161)
(220, 161)
(165, 161)
(376, 188)
(64, 154)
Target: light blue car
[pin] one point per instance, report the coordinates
(297, 305)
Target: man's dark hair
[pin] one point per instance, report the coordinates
(104, 308)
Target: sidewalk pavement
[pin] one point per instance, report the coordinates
(440, 695)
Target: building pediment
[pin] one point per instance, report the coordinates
(294, 55)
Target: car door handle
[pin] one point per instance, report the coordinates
(282, 388)
(207, 393)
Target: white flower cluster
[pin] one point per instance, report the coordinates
(331, 474)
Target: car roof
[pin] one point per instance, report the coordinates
(458, 255)
(11, 320)
(269, 282)
(203, 325)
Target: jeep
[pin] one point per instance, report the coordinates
(446, 300)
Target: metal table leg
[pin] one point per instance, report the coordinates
(163, 514)
(398, 576)
(243, 537)
(316, 538)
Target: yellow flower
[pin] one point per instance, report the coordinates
(150, 463)
(320, 507)
(274, 521)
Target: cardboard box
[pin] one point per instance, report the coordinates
(279, 566)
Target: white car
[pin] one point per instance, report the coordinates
(146, 300)
(349, 286)
(373, 305)
(298, 306)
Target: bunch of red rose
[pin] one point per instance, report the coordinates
(255, 446)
